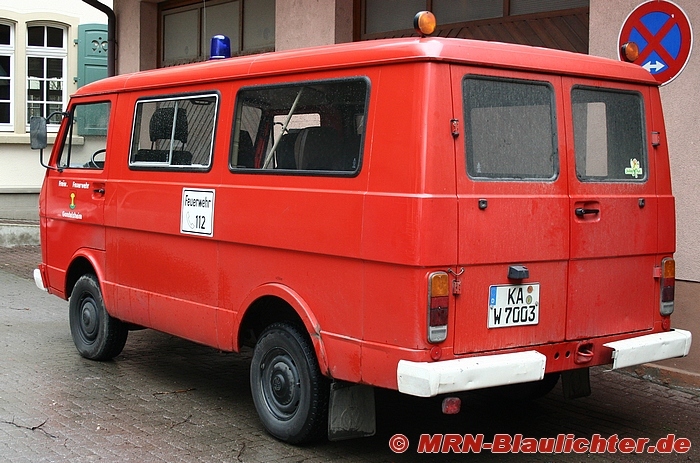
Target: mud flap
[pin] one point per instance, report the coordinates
(351, 411)
(576, 383)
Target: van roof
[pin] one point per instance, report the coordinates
(379, 52)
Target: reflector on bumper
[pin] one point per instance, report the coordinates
(650, 348)
(428, 379)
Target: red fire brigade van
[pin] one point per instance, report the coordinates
(427, 215)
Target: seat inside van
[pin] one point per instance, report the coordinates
(160, 130)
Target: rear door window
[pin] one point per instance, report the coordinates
(609, 135)
(510, 129)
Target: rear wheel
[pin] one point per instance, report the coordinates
(289, 391)
(96, 335)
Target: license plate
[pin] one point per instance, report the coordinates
(514, 305)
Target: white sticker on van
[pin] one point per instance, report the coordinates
(197, 212)
(635, 170)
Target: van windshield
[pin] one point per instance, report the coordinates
(85, 146)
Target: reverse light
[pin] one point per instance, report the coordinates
(438, 304)
(668, 285)
(424, 23)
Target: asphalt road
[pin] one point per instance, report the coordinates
(168, 400)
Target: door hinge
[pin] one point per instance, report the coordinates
(456, 287)
(454, 125)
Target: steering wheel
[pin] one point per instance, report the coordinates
(93, 163)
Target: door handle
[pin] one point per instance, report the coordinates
(99, 191)
(581, 211)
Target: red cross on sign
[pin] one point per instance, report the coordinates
(662, 32)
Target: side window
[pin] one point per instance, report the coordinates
(175, 132)
(306, 127)
(510, 129)
(85, 146)
(609, 135)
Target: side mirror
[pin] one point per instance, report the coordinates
(37, 132)
(37, 135)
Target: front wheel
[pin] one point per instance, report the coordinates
(289, 391)
(96, 335)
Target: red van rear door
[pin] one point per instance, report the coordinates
(513, 210)
(613, 209)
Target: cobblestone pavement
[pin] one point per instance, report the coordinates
(20, 260)
(167, 400)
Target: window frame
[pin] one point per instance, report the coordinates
(9, 51)
(160, 166)
(555, 140)
(302, 172)
(179, 6)
(644, 138)
(45, 53)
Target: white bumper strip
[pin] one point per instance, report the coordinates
(428, 379)
(650, 348)
(38, 281)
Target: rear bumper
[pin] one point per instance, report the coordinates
(428, 379)
(650, 348)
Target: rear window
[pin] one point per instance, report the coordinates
(314, 127)
(609, 135)
(510, 129)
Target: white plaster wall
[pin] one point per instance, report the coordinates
(681, 100)
(84, 12)
(20, 171)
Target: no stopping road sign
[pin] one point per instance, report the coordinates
(662, 32)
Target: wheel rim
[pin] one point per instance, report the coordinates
(88, 319)
(280, 385)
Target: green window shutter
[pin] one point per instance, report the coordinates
(92, 53)
(92, 66)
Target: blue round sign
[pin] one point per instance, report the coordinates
(662, 32)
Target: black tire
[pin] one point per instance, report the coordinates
(289, 391)
(96, 335)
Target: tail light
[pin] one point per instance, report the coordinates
(668, 285)
(438, 306)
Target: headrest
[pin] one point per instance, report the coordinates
(316, 148)
(161, 126)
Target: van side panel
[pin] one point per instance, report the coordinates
(667, 209)
(163, 279)
(410, 216)
(410, 212)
